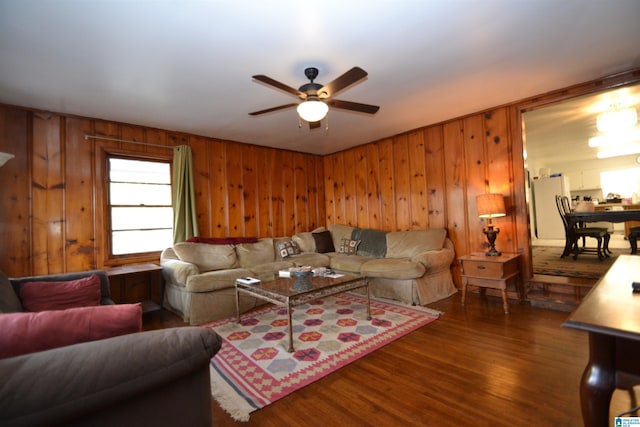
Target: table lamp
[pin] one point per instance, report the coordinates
(491, 206)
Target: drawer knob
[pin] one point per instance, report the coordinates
(481, 267)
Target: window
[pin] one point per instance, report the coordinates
(623, 182)
(139, 203)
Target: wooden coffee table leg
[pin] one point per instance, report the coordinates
(368, 300)
(237, 304)
(290, 350)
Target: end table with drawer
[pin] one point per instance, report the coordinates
(497, 272)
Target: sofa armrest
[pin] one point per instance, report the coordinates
(67, 384)
(435, 260)
(177, 272)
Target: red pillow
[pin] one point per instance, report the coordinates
(24, 333)
(41, 296)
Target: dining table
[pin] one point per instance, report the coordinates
(610, 314)
(576, 218)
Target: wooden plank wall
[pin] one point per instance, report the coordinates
(428, 178)
(53, 191)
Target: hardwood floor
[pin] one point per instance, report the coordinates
(474, 366)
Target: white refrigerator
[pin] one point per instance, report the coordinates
(548, 223)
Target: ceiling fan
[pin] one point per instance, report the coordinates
(317, 98)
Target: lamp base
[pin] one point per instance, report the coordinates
(491, 234)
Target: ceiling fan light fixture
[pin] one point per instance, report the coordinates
(617, 119)
(312, 110)
(615, 139)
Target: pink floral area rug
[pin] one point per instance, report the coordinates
(253, 368)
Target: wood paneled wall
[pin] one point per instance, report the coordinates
(429, 178)
(53, 191)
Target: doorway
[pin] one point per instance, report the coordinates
(567, 139)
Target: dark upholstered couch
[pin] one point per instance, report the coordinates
(148, 378)
(124, 379)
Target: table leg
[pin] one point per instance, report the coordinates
(464, 290)
(161, 295)
(598, 381)
(237, 305)
(505, 303)
(368, 300)
(290, 349)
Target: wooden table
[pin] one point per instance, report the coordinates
(148, 305)
(610, 313)
(496, 272)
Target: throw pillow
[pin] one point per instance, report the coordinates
(287, 248)
(9, 302)
(324, 242)
(348, 246)
(24, 333)
(372, 242)
(40, 296)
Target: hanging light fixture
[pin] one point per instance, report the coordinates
(617, 119)
(312, 110)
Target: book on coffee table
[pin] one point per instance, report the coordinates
(248, 280)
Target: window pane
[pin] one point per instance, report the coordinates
(140, 194)
(139, 218)
(125, 170)
(623, 182)
(140, 205)
(131, 242)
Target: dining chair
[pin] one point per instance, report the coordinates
(576, 233)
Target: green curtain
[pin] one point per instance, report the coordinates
(185, 219)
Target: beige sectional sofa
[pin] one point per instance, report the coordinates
(413, 267)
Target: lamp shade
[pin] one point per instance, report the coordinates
(5, 157)
(312, 110)
(490, 205)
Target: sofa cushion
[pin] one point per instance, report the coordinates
(24, 333)
(310, 259)
(287, 248)
(270, 267)
(348, 263)
(324, 242)
(348, 246)
(372, 242)
(216, 280)
(250, 254)
(393, 268)
(405, 244)
(305, 241)
(9, 301)
(60, 295)
(207, 257)
(339, 232)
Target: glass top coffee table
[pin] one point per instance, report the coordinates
(281, 292)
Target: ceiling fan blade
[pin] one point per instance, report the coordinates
(278, 85)
(268, 110)
(354, 106)
(315, 125)
(347, 79)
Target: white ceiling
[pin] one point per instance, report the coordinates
(186, 65)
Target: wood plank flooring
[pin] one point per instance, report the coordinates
(475, 366)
